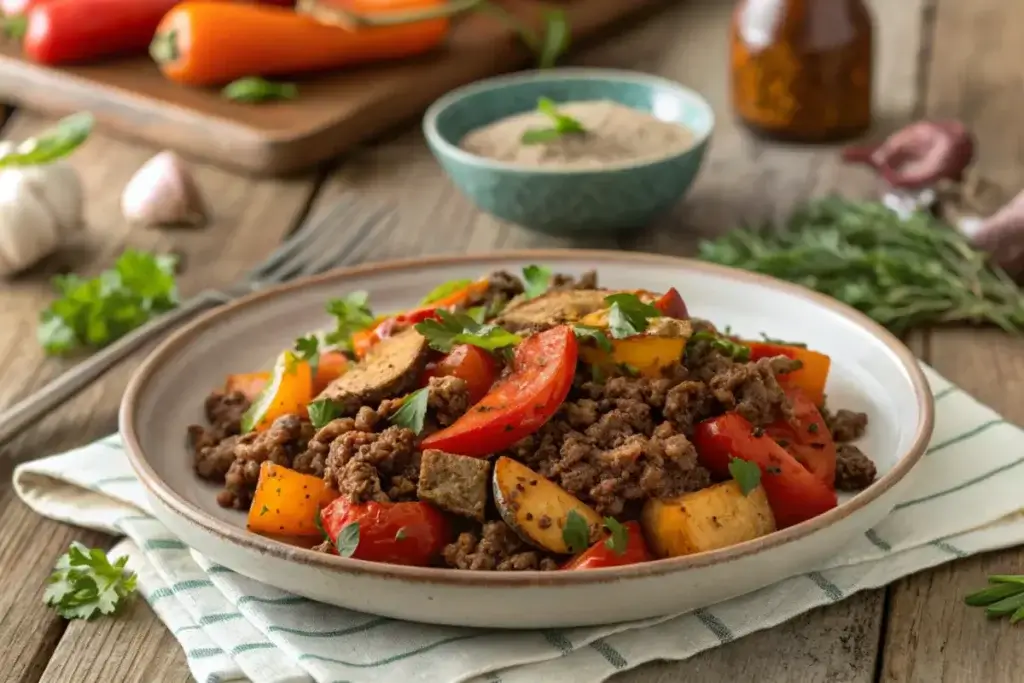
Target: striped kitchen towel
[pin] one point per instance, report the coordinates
(962, 501)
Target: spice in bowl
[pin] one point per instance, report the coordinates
(578, 135)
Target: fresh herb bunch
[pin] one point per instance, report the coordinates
(84, 584)
(902, 273)
(1004, 596)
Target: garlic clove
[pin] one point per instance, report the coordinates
(28, 229)
(163, 193)
(60, 188)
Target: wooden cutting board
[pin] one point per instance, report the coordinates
(333, 112)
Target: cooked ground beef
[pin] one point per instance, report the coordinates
(448, 399)
(560, 281)
(854, 470)
(752, 390)
(846, 425)
(279, 444)
(213, 446)
(454, 483)
(382, 466)
(496, 547)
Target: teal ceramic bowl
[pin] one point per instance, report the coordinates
(569, 201)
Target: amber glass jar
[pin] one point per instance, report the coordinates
(801, 69)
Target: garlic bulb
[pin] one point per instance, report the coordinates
(163, 192)
(39, 207)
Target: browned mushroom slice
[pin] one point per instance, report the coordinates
(391, 368)
(553, 308)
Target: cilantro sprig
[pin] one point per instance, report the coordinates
(587, 332)
(536, 280)
(348, 539)
(322, 411)
(458, 328)
(92, 313)
(561, 124)
(352, 313)
(84, 584)
(746, 474)
(308, 349)
(413, 411)
(628, 315)
(1004, 596)
(618, 536)
(576, 532)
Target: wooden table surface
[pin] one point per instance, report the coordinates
(937, 58)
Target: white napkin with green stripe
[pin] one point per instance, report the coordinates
(963, 500)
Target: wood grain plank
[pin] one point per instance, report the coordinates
(249, 218)
(974, 75)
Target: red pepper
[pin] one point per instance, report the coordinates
(470, 363)
(811, 378)
(517, 406)
(600, 555)
(795, 495)
(807, 438)
(395, 533)
(672, 305)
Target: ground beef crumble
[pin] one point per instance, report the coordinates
(854, 470)
(279, 444)
(496, 547)
(845, 425)
(213, 446)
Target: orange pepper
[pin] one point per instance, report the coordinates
(250, 384)
(331, 366)
(286, 502)
(289, 391)
(811, 378)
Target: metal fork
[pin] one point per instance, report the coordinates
(311, 249)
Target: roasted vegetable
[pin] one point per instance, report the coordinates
(624, 545)
(671, 304)
(287, 502)
(518, 405)
(469, 363)
(553, 308)
(712, 518)
(807, 438)
(289, 391)
(392, 367)
(192, 46)
(649, 355)
(330, 366)
(811, 377)
(537, 508)
(395, 533)
(454, 483)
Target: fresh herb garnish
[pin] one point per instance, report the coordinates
(547, 46)
(628, 315)
(352, 314)
(536, 280)
(413, 411)
(458, 328)
(52, 144)
(746, 474)
(904, 274)
(254, 89)
(445, 289)
(576, 532)
(781, 342)
(308, 349)
(84, 584)
(1004, 596)
(322, 411)
(348, 539)
(618, 536)
(584, 332)
(477, 313)
(724, 345)
(561, 124)
(95, 312)
(400, 534)
(264, 510)
(319, 522)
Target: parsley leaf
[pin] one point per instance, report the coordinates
(781, 342)
(458, 328)
(618, 536)
(746, 474)
(628, 315)
(92, 313)
(576, 532)
(724, 345)
(308, 349)
(536, 280)
(561, 124)
(322, 411)
(348, 539)
(584, 332)
(84, 584)
(352, 314)
(400, 534)
(445, 289)
(477, 313)
(412, 411)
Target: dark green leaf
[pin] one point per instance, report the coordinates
(458, 328)
(727, 347)
(585, 332)
(576, 532)
(53, 143)
(561, 124)
(628, 315)
(413, 411)
(253, 89)
(746, 474)
(308, 349)
(85, 585)
(1006, 578)
(618, 536)
(536, 280)
(348, 539)
(352, 313)
(477, 314)
(322, 411)
(557, 36)
(445, 289)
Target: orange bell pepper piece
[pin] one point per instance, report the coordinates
(811, 378)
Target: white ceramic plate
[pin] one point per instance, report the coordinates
(871, 371)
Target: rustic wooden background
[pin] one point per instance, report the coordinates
(937, 58)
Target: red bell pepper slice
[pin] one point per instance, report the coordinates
(795, 495)
(671, 304)
(396, 533)
(807, 438)
(469, 363)
(517, 406)
(811, 378)
(600, 555)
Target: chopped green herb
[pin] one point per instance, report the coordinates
(781, 342)
(413, 411)
(576, 532)
(53, 143)
(254, 89)
(322, 411)
(348, 539)
(584, 332)
(628, 315)
(458, 328)
(477, 313)
(264, 510)
(618, 537)
(352, 314)
(85, 585)
(746, 474)
(548, 46)
(400, 534)
(536, 280)
(561, 124)
(445, 289)
(724, 345)
(308, 349)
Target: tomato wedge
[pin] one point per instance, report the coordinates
(794, 494)
(807, 438)
(470, 363)
(600, 555)
(811, 378)
(396, 533)
(517, 406)
(672, 305)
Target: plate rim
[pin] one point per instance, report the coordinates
(252, 542)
